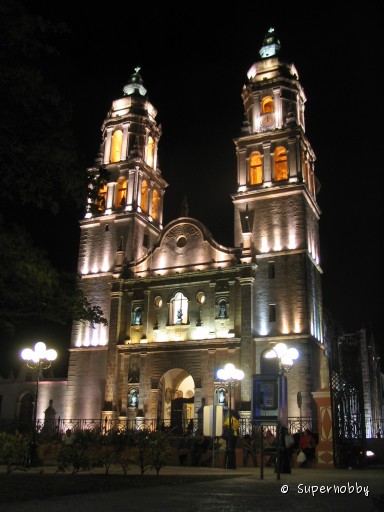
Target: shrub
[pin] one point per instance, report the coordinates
(151, 450)
(13, 451)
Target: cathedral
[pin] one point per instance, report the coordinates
(180, 305)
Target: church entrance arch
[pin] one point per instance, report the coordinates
(176, 400)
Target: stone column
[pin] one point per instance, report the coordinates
(124, 143)
(107, 146)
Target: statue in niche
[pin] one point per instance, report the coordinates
(179, 316)
(222, 396)
(137, 317)
(223, 310)
(133, 398)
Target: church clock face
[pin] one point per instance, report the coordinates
(267, 120)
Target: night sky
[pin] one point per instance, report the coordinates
(194, 65)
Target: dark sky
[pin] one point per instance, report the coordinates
(194, 63)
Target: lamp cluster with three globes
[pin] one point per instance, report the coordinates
(38, 359)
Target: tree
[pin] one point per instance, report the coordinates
(41, 173)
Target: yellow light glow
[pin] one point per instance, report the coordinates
(264, 244)
(277, 247)
(284, 328)
(292, 241)
(105, 266)
(161, 337)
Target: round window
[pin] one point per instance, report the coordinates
(181, 241)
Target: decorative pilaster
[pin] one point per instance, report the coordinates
(324, 449)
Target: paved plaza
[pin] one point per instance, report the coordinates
(304, 490)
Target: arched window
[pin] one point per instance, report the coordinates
(179, 309)
(255, 169)
(117, 137)
(267, 105)
(155, 205)
(102, 198)
(281, 164)
(150, 151)
(121, 193)
(144, 196)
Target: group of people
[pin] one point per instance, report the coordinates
(193, 449)
(288, 445)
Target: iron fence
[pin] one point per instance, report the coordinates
(54, 429)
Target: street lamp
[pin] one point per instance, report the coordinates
(286, 357)
(38, 359)
(231, 376)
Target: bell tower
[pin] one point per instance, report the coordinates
(121, 224)
(276, 215)
(130, 199)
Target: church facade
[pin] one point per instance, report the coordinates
(179, 304)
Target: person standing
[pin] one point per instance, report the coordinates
(285, 451)
(200, 446)
(68, 438)
(231, 439)
(249, 449)
(308, 445)
(270, 448)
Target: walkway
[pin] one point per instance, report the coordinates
(305, 490)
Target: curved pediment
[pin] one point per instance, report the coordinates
(185, 245)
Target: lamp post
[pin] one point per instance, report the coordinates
(231, 376)
(38, 359)
(286, 357)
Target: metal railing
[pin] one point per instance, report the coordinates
(54, 429)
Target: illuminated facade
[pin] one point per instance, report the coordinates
(180, 305)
